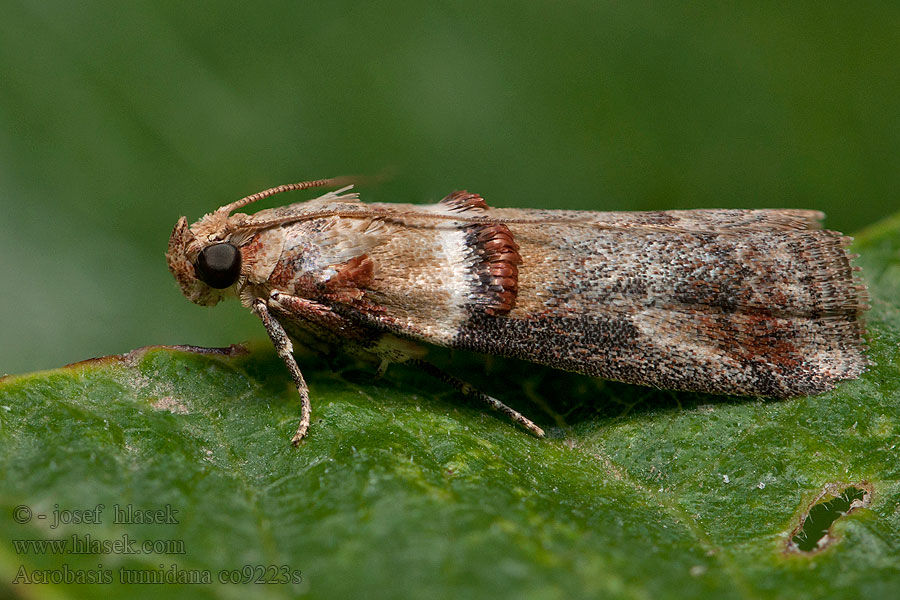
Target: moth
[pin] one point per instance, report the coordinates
(743, 302)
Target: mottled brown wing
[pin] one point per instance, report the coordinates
(736, 302)
(755, 311)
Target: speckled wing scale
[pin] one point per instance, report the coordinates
(747, 302)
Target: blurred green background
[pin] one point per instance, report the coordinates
(117, 118)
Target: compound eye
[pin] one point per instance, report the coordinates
(219, 265)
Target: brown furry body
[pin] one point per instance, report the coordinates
(750, 302)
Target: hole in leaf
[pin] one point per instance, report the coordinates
(834, 502)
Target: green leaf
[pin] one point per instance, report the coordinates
(403, 489)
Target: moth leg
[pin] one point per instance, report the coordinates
(468, 390)
(327, 324)
(382, 368)
(331, 323)
(285, 350)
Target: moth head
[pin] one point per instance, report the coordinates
(206, 257)
(206, 268)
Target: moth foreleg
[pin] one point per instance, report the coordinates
(318, 318)
(285, 350)
(468, 390)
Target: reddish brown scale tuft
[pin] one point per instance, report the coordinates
(497, 256)
(462, 201)
(351, 279)
(497, 268)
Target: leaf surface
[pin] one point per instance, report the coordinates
(404, 489)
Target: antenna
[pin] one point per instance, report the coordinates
(288, 187)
